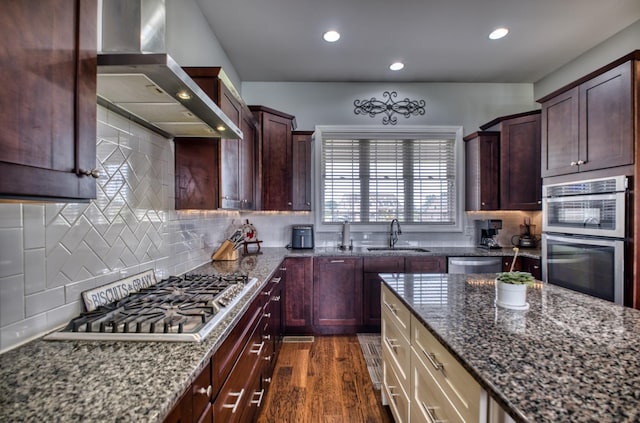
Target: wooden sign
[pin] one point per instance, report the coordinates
(115, 291)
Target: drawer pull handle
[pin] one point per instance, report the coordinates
(266, 337)
(393, 343)
(393, 394)
(259, 347)
(276, 298)
(258, 401)
(430, 413)
(234, 406)
(276, 280)
(391, 308)
(337, 261)
(208, 391)
(435, 363)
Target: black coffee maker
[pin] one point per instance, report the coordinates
(488, 233)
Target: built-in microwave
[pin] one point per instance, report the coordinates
(595, 207)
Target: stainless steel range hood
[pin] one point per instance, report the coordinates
(138, 78)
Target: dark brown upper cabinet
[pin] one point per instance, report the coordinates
(503, 164)
(482, 157)
(48, 103)
(233, 170)
(275, 149)
(301, 173)
(589, 124)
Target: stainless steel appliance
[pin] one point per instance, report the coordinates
(302, 237)
(584, 236)
(474, 264)
(488, 233)
(183, 308)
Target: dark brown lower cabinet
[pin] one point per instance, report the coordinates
(298, 298)
(337, 295)
(372, 267)
(195, 404)
(429, 264)
(233, 385)
(524, 264)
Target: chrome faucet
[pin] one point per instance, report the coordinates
(393, 234)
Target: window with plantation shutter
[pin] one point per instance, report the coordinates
(373, 178)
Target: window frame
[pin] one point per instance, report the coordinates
(405, 131)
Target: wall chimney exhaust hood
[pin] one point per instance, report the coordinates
(136, 76)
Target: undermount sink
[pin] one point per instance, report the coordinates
(416, 249)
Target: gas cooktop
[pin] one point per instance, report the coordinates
(185, 308)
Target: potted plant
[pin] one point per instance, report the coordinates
(511, 289)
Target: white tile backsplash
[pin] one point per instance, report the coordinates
(51, 252)
(11, 252)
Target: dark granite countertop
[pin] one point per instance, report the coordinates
(432, 251)
(569, 358)
(109, 381)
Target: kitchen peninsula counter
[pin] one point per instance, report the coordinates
(569, 358)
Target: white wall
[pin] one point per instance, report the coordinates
(191, 41)
(619, 45)
(326, 103)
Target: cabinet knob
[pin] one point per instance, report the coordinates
(483, 203)
(308, 204)
(289, 203)
(573, 163)
(95, 173)
(581, 162)
(206, 391)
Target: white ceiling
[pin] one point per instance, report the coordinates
(438, 40)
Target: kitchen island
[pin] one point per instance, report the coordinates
(568, 358)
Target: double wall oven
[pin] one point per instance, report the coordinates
(584, 240)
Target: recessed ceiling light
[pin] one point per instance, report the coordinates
(184, 95)
(396, 66)
(331, 36)
(498, 33)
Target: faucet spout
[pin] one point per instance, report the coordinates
(394, 231)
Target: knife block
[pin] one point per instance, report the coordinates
(226, 252)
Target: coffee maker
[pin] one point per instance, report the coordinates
(488, 233)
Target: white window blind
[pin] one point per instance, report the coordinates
(369, 180)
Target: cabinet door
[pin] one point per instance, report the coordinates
(520, 181)
(559, 127)
(523, 264)
(373, 266)
(606, 120)
(230, 154)
(337, 295)
(196, 172)
(247, 171)
(429, 264)
(298, 295)
(48, 102)
(276, 162)
(482, 154)
(301, 182)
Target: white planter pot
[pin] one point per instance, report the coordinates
(511, 296)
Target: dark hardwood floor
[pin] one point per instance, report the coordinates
(323, 381)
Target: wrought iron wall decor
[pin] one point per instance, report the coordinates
(389, 107)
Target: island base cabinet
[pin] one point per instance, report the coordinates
(393, 394)
(457, 389)
(497, 413)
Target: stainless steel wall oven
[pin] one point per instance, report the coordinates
(584, 238)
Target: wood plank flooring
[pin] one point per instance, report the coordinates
(325, 381)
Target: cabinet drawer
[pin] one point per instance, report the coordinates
(396, 394)
(383, 264)
(398, 313)
(457, 385)
(428, 401)
(395, 348)
(429, 264)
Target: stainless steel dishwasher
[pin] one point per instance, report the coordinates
(475, 264)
